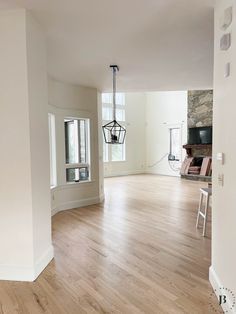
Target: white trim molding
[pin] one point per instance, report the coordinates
(217, 286)
(77, 204)
(26, 273)
(70, 185)
(124, 173)
(43, 261)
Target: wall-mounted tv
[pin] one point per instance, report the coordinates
(201, 135)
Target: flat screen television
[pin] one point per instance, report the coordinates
(201, 135)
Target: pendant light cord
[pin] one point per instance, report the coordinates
(114, 93)
(114, 69)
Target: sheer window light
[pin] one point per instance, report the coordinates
(77, 149)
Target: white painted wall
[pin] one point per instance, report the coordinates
(135, 162)
(222, 272)
(76, 101)
(164, 110)
(100, 147)
(148, 118)
(25, 224)
(39, 148)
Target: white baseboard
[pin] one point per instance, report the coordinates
(77, 204)
(216, 285)
(44, 260)
(130, 173)
(173, 174)
(28, 273)
(16, 273)
(124, 173)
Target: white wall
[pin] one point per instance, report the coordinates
(100, 147)
(25, 224)
(223, 270)
(39, 148)
(164, 110)
(148, 118)
(135, 140)
(77, 101)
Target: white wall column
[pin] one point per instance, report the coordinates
(222, 272)
(25, 215)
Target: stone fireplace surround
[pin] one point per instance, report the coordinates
(200, 114)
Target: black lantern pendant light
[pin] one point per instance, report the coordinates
(113, 132)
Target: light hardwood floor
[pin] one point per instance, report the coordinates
(139, 252)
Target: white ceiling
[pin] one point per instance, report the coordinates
(158, 44)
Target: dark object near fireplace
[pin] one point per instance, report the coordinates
(201, 135)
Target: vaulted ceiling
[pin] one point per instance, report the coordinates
(158, 44)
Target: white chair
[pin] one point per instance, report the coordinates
(204, 193)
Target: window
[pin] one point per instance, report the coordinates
(175, 143)
(117, 152)
(77, 149)
(105, 152)
(52, 149)
(113, 152)
(107, 98)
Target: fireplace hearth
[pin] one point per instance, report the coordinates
(198, 163)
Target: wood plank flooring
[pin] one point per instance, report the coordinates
(139, 252)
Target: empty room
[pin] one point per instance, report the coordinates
(117, 181)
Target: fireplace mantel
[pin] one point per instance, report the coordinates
(191, 147)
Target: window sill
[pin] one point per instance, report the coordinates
(71, 185)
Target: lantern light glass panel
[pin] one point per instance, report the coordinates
(114, 133)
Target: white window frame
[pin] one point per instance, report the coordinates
(79, 165)
(180, 127)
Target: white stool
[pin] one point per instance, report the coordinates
(204, 192)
